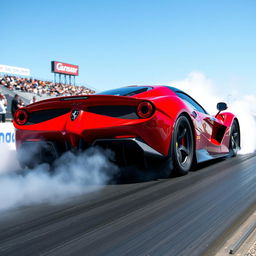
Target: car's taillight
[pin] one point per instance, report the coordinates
(21, 116)
(145, 109)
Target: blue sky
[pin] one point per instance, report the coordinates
(118, 42)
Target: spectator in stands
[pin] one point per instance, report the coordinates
(42, 88)
(3, 106)
(15, 104)
(21, 103)
(33, 100)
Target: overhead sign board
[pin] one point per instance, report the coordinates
(14, 70)
(65, 68)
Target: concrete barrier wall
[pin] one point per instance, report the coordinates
(7, 135)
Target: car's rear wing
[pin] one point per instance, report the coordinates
(84, 101)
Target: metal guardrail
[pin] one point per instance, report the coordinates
(242, 239)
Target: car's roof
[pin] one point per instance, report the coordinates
(157, 86)
(140, 90)
(154, 86)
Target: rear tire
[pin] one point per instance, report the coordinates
(234, 144)
(181, 153)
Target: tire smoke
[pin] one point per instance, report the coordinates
(8, 160)
(206, 93)
(71, 175)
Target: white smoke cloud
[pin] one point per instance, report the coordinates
(74, 174)
(203, 90)
(245, 109)
(8, 160)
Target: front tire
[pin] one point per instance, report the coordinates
(234, 144)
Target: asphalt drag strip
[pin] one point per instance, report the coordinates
(189, 215)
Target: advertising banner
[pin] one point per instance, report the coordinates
(65, 68)
(14, 70)
(7, 135)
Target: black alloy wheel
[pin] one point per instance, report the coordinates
(182, 146)
(234, 144)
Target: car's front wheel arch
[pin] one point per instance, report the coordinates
(235, 138)
(236, 120)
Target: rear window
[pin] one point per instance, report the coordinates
(126, 91)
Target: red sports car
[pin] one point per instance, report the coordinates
(136, 122)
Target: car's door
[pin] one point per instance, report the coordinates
(205, 125)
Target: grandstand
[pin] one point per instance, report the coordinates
(26, 88)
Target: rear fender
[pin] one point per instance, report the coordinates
(171, 106)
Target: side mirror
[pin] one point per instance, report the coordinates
(221, 106)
